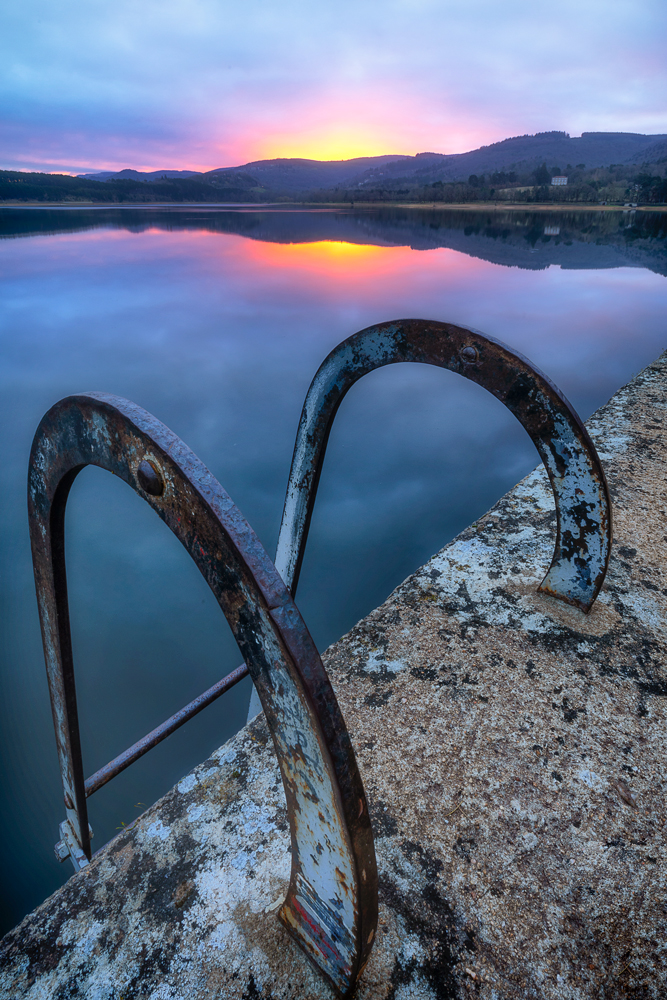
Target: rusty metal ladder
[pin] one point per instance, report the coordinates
(331, 903)
(330, 908)
(583, 509)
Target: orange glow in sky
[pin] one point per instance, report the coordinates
(334, 144)
(329, 129)
(177, 85)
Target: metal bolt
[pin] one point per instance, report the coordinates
(150, 479)
(62, 851)
(468, 354)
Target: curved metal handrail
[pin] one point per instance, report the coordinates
(331, 904)
(583, 509)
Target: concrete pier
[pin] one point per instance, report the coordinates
(513, 753)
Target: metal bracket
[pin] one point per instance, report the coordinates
(331, 904)
(583, 509)
(69, 847)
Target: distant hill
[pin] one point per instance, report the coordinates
(295, 175)
(609, 167)
(17, 186)
(138, 175)
(521, 154)
(524, 153)
(286, 175)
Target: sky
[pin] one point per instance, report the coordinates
(197, 84)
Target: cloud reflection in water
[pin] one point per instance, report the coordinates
(219, 335)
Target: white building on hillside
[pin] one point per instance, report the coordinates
(561, 180)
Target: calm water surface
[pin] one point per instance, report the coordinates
(215, 321)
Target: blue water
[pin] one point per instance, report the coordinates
(215, 321)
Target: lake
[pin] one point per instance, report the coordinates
(215, 320)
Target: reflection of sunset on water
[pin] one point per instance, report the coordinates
(561, 318)
(356, 261)
(329, 257)
(325, 263)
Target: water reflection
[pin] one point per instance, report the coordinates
(572, 239)
(219, 334)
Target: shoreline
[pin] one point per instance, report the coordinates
(329, 205)
(539, 207)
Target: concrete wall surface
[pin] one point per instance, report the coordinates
(513, 753)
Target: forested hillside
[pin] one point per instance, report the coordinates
(600, 167)
(18, 186)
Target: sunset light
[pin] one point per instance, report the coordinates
(330, 144)
(428, 776)
(197, 87)
(328, 256)
(384, 124)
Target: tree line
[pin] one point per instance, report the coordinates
(616, 184)
(38, 187)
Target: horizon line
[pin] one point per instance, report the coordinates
(146, 169)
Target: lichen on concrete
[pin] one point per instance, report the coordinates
(512, 749)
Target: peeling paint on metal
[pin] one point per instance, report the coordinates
(331, 902)
(583, 538)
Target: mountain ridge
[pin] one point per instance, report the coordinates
(288, 175)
